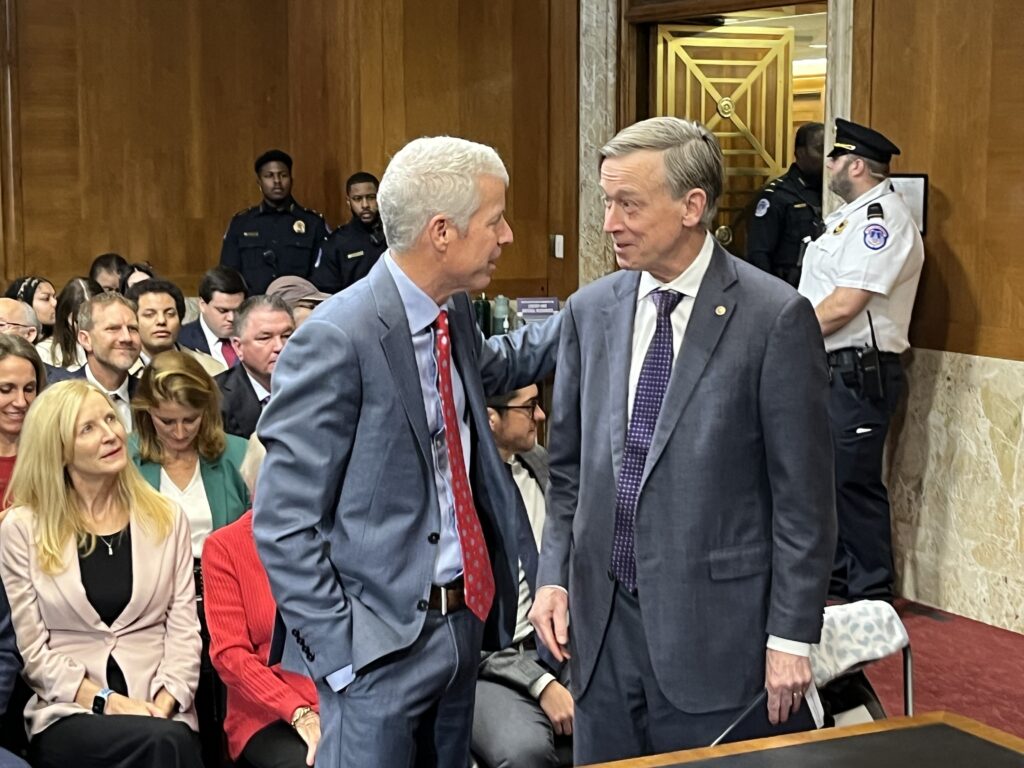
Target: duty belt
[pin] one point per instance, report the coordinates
(849, 357)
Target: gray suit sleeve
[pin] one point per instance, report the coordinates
(511, 668)
(520, 358)
(308, 428)
(564, 455)
(798, 451)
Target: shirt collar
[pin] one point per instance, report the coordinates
(259, 389)
(688, 282)
(876, 191)
(420, 310)
(121, 392)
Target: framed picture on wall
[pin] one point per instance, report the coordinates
(913, 188)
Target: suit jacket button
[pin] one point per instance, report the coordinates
(423, 605)
(295, 633)
(611, 576)
(311, 656)
(434, 538)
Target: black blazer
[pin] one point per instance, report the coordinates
(239, 405)
(192, 336)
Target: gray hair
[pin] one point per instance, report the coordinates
(693, 158)
(272, 302)
(431, 176)
(85, 312)
(31, 318)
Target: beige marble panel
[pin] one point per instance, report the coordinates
(956, 481)
(598, 38)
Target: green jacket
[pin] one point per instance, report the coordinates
(225, 489)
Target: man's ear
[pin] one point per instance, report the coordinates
(85, 340)
(236, 344)
(492, 418)
(439, 232)
(694, 204)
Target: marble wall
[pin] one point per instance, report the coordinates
(956, 480)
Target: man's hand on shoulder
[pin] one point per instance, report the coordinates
(550, 618)
(786, 677)
(557, 703)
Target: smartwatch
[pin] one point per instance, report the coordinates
(99, 702)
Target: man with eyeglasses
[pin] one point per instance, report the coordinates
(524, 711)
(17, 317)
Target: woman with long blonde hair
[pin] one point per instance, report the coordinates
(98, 569)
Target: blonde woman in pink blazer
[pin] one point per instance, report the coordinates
(98, 569)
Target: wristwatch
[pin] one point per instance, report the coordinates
(99, 702)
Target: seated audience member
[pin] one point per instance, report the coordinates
(10, 668)
(221, 292)
(39, 294)
(18, 319)
(98, 569)
(161, 307)
(299, 294)
(22, 377)
(62, 349)
(273, 719)
(106, 270)
(523, 712)
(262, 326)
(132, 274)
(108, 330)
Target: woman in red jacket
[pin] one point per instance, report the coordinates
(272, 719)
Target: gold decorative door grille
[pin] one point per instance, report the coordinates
(737, 80)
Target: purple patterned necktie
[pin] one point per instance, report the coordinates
(650, 391)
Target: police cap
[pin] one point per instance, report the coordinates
(271, 156)
(862, 141)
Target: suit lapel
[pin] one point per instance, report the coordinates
(618, 329)
(397, 344)
(69, 583)
(703, 331)
(145, 567)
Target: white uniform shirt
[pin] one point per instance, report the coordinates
(882, 254)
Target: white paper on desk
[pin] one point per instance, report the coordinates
(814, 704)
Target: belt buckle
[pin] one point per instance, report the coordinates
(444, 600)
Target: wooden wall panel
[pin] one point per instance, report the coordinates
(942, 86)
(140, 119)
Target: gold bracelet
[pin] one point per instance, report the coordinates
(300, 713)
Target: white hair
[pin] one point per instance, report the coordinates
(432, 176)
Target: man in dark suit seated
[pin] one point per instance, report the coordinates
(523, 712)
(262, 326)
(108, 330)
(221, 292)
(10, 668)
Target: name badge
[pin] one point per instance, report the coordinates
(250, 234)
(354, 255)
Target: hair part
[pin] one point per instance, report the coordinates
(691, 153)
(177, 377)
(273, 303)
(430, 177)
(222, 279)
(41, 481)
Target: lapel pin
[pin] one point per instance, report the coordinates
(720, 310)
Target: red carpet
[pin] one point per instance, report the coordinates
(960, 666)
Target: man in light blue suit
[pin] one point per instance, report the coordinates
(691, 517)
(384, 514)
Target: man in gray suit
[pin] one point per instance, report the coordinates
(384, 515)
(691, 518)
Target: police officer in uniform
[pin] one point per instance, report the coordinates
(350, 251)
(278, 236)
(788, 212)
(861, 276)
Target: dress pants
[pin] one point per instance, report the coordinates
(116, 741)
(623, 712)
(863, 567)
(410, 708)
(277, 745)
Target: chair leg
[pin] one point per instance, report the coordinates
(908, 682)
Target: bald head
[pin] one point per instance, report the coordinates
(18, 318)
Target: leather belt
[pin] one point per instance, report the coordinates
(849, 357)
(449, 598)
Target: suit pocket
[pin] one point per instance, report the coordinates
(740, 561)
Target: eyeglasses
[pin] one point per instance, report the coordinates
(5, 324)
(529, 407)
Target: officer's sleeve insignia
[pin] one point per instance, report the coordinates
(875, 236)
(762, 207)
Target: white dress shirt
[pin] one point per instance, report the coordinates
(213, 342)
(119, 396)
(192, 498)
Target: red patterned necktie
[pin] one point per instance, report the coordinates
(476, 564)
(229, 352)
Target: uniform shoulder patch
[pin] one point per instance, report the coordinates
(875, 211)
(762, 207)
(245, 211)
(875, 236)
